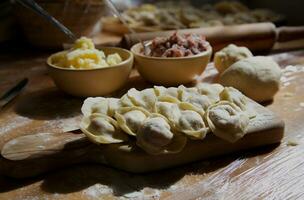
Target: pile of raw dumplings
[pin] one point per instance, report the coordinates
(161, 120)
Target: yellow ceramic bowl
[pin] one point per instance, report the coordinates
(93, 82)
(170, 71)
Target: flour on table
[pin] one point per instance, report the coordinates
(14, 123)
(97, 190)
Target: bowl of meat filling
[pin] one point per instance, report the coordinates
(173, 60)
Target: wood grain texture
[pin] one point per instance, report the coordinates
(268, 173)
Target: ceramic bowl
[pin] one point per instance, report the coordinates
(82, 17)
(170, 71)
(93, 82)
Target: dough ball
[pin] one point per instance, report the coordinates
(256, 77)
(224, 58)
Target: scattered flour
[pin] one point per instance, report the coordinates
(97, 191)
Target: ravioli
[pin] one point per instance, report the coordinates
(130, 119)
(102, 129)
(227, 121)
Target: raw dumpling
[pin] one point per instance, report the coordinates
(94, 105)
(227, 121)
(155, 137)
(170, 94)
(145, 98)
(210, 90)
(100, 105)
(125, 101)
(183, 118)
(192, 96)
(102, 129)
(229, 55)
(234, 96)
(113, 105)
(191, 122)
(159, 90)
(130, 119)
(170, 111)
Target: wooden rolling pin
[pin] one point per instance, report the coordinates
(258, 37)
(32, 155)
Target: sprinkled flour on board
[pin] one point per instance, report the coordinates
(13, 122)
(97, 190)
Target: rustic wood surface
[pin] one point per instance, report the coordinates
(268, 173)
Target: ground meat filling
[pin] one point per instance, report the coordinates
(178, 45)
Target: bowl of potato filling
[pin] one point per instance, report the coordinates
(86, 71)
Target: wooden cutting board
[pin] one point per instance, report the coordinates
(273, 172)
(36, 154)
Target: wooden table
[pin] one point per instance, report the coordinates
(274, 172)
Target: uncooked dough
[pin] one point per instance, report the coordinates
(102, 129)
(256, 77)
(161, 120)
(129, 119)
(227, 121)
(155, 137)
(226, 57)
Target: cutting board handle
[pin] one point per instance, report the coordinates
(32, 155)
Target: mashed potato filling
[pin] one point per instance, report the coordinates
(84, 55)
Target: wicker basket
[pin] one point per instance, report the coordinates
(81, 17)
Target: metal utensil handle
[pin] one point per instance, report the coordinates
(115, 10)
(31, 4)
(12, 93)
